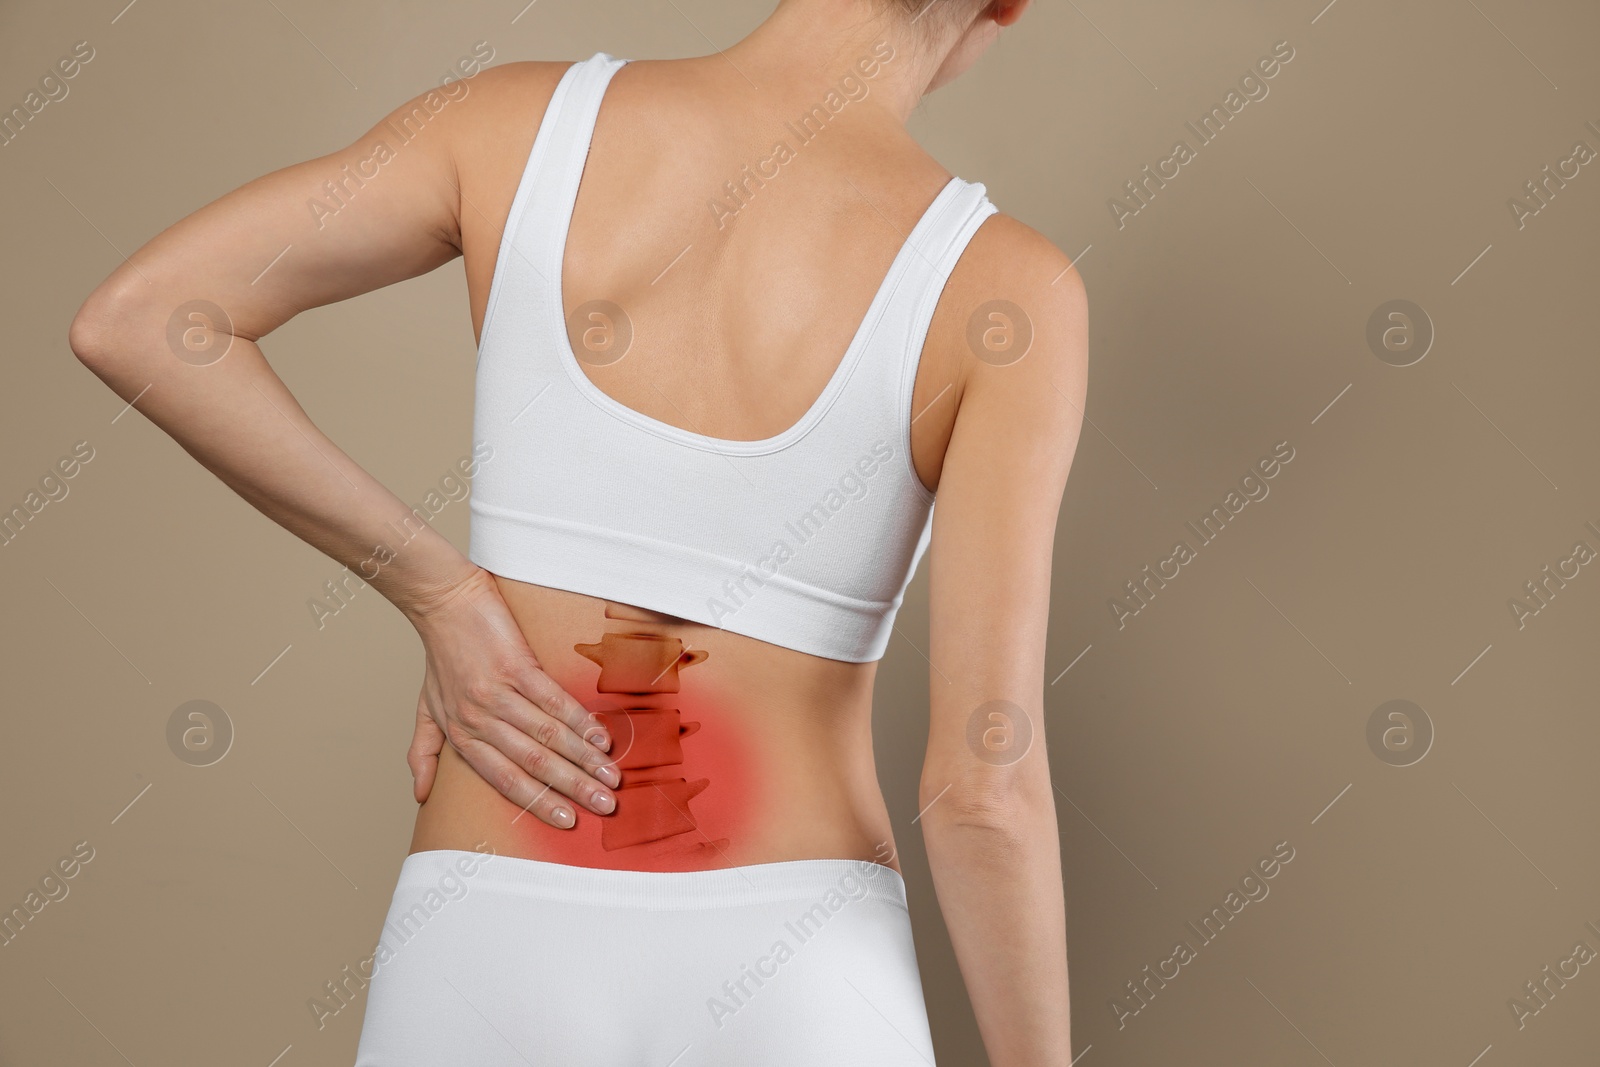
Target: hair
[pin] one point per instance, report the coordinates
(935, 14)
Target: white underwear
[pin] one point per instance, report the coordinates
(496, 961)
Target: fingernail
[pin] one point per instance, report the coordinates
(609, 775)
(562, 817)
(604, 803)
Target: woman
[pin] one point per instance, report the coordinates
(735, 329)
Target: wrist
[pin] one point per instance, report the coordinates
(423, 599)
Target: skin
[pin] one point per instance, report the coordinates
(784, 738)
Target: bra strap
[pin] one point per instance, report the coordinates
(565, 136)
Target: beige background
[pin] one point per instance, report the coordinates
(1230, 715)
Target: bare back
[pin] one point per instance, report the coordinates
(742, 295)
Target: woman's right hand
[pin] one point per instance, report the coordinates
(485, 694)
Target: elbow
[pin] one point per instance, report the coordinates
(92, 331)
(110, 313)
(87, 337)
(1006, 800)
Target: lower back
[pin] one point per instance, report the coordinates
(732, 751)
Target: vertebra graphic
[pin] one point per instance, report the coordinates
(647, 740)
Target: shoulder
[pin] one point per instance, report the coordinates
(1016, 338)
(485, 131)
(1015, 302)
(517, 79)
(501, 98)
(1008, 259)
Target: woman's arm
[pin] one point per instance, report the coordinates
(174, 331)
(989, 820)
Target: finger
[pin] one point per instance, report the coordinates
(427, 741)
(554, 719)
(545, 765)
(548, 695)
(512, 782)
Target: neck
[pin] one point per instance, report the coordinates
(807, 47)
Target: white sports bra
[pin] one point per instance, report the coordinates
(807, 539)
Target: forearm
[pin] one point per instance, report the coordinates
(999, 885)
(236, 417)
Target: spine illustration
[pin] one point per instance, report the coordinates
(648, 737)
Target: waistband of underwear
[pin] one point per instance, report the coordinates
(804, 880)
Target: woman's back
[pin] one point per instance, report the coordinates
(782, 307)
(725, 246)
